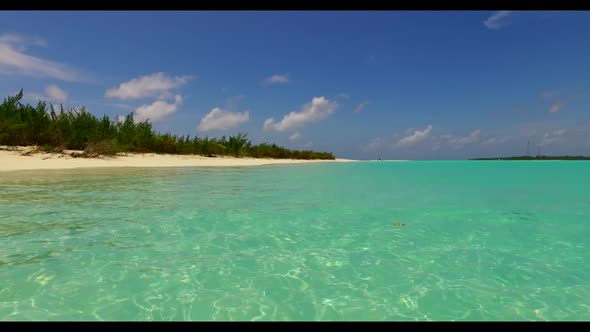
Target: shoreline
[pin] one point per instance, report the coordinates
(12, 159)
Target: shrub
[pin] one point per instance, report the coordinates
(73, 129)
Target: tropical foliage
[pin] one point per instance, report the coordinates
(58, 130)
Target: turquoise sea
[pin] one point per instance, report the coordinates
(482, 241)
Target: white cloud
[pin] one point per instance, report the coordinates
(120, 119)
(553, 137)
(559, 98)
(550, 93)
(361, 106)
(21, 42)
(308, 145)
(157, 111)
(55, 94)
(416, 137)
(275, 79)
(294, 137)
(375, 144)
(494, 140)
(343, 96)
(498, 20)
(13, 60)
(219, 119)
(556, 106)
(318, 109)
(154, 85)
(459, 142)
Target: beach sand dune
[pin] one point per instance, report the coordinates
(18, 158)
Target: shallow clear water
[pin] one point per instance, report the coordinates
(483, 241)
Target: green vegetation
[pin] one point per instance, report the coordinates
(537, 158)
(22, 124)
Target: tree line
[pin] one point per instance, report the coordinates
(77, 129)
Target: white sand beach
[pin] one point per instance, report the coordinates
(16, 158)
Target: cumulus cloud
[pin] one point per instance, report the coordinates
(157, 110)
(154, 85)
(361, 107)
(56, 94)
(416, 137)
(22, 42)
(556, 106)
(553, 137)
(276, 79)
(459, 142)
(218, 119)
(559, 98)
(343, 96)
(436, 146)
(294, 137)
(494, 141)
(551, 93)
(53, 94)
(375, 144)
(318, 109)
(498, 20)
(14, 60)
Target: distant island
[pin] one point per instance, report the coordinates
(537, 158)
(55, 131)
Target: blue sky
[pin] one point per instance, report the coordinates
(391, 84)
